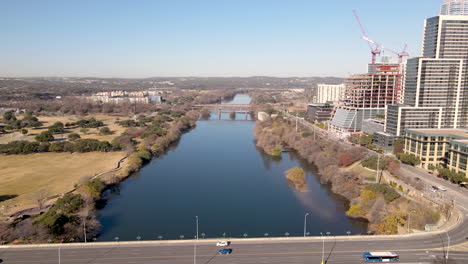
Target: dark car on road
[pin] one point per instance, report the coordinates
(225, 251)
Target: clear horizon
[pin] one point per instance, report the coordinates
(124, 39)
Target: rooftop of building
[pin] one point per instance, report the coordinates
(320, 104)
(377, 121)
(461, 142)
(457, 133)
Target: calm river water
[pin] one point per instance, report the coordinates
(216, 173)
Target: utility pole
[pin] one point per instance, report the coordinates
(60, 260)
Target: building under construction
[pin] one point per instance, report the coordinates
(376, 89)
(366, 95)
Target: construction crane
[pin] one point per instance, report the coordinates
(376, 48)
(372, 45)
(400, 55)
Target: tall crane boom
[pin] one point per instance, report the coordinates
(372, 45)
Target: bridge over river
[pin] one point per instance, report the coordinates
(244, 109)
(225, 107)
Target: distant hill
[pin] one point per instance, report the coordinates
(47, 88)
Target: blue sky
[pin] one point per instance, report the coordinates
(138, 38)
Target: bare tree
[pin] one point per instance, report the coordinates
(40, 197)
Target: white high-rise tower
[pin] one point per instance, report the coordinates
(454, 7)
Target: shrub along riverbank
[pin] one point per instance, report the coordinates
(64, 221)
(380, 204)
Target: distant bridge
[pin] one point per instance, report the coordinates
(225, 107)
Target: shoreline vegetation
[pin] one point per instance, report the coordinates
(63, 221)
(295, 177)
(141, 131)
(379, 204)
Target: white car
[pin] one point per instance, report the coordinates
(223, 243)
(441, 188)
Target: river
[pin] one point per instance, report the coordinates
(216, 172)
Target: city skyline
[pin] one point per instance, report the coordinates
(210, 39)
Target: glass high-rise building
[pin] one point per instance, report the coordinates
(454, 7)
(438, 79)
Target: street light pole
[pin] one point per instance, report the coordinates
(60, 260)
(197, 225)
(323, 247)
(378, 168)
(409, 219)
(448, 246)
(296, 121)
(305, 221)
(195, 244)
(84, 228)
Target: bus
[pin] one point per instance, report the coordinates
(380, 256)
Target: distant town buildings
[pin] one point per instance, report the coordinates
(454, 7)
(149, 96)
(329, 93)
(320, 112)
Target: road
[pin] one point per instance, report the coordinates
(337, 250)
(454, 192)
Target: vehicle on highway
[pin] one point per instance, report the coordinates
(387, 256)
(430, 172)
(442, 188)
(223, 243)
(225, 251)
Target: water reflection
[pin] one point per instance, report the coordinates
(217, 173)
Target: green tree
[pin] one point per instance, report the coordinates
(45, 136)
(95, 187)
(276, 152)
(409, 159)
(24, 131)
(9, 116)
(355, 211)
(388, 192)
(73, 136)
(398, 146)
(366, 140)
(105, 131)
(61, 213)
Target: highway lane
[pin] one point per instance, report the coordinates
(292, 252)
(420, 249)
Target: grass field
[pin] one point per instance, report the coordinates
(108, 120)
(24, 175)
(364, 173)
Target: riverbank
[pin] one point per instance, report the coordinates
(386, 210)
(151, 138)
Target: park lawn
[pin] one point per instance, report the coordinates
(364, 173)
(56, 173)
(93, 133)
